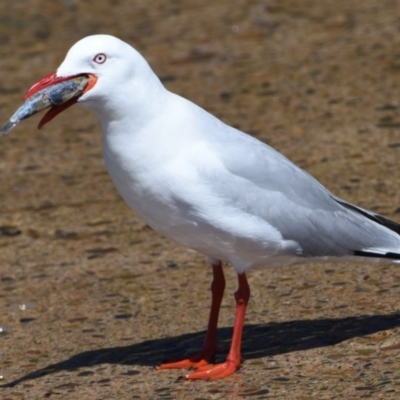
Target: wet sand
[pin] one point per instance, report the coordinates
(91, 299)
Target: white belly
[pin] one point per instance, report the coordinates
(158, 206)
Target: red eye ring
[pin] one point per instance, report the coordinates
(100, 58)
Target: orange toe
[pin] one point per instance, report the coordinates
(212, 372)
(204, 357)
(187, 363)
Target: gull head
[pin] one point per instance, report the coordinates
(120, 79)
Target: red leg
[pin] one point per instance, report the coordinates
(234, 359)
(209, 347)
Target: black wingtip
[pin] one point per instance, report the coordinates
(371, 254)
(379, 219)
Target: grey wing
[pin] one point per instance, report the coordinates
(270, 186)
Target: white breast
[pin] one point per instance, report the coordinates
(165, 178)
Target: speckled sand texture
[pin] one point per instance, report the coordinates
(91, 299)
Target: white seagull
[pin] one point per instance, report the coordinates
(211, 187)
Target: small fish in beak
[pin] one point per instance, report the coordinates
(51, 96)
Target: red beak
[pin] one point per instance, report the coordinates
(50, 80)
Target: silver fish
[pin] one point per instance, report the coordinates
(51, 96)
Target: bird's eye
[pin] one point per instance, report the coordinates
(100, 58)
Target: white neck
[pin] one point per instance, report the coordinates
(130, 104)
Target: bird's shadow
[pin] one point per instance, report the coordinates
(259, 340)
